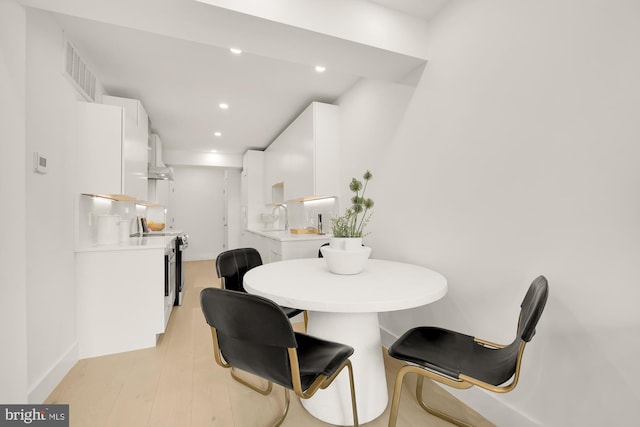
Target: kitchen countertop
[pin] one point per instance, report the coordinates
(285, 236)
(134, 243)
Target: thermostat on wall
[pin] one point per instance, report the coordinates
(39, 163)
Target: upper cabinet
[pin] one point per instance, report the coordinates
(99, 150)
(135, 145)
(112, 148)
(302, 161)
(251, 188)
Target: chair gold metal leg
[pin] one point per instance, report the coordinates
(397, 389)
(433, 411)
(263, 391)
(306, 320)
(286, 407)
(354, 406)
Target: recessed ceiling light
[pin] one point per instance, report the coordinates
(224, 105)
(217, 133)
(320, 68)
(213, 151)
(235, 50)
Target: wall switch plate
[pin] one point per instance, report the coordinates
(39, 163)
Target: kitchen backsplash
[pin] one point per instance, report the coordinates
(90, 208)
(305, 214)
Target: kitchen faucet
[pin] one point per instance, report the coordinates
(286, 214)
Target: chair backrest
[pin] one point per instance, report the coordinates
(506, 365)
(253, 332)
(320, 252)
(531, 308)
(233, 264)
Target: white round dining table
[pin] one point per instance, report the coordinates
(344, 308)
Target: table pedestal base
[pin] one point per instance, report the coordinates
(362, 332)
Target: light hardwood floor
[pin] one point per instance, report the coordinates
(178, 384)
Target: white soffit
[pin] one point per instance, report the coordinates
(174, 56)
(195, 21)
(425, 9)
(358, 21)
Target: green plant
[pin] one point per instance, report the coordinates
(356, 217)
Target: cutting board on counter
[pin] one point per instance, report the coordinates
(303, 231)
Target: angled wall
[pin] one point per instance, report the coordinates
(517, 155)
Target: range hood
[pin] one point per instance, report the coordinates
(157, 169)
(160, 172)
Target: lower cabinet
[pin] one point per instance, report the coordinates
(273, 249)
(120, 300)
(296, 249)
(249, 239)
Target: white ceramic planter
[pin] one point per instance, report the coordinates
(345, 243)
(342, 261)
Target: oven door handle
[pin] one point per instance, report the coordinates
(168, 259)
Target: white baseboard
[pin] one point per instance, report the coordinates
(484, 402)
(41, 389)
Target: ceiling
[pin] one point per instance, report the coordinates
(178, 63)
(424, 9)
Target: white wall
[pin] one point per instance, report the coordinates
(13, 307)
(517, 155)
(198, 207)
(50, 130)
(189, 158)
(234, 213)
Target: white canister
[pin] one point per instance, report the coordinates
(125, 230)
(108, 229)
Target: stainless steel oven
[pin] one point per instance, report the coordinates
(173, 260)
(169, 279)
(182, 243)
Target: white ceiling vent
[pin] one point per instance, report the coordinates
(82, 79)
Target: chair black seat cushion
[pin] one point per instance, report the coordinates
(266, 361)
(452, 353)
(317, 356)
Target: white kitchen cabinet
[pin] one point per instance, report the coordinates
(110, 160)
(297, 249)
(99, 148)
(251, 188)
(290, 159)
(121, 303)
(259, 243)
(304, 158)
(135, 145)
(276, 246)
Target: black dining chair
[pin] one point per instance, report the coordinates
(253, 334)
(320, 252)
(231, 267)
(462, 361)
